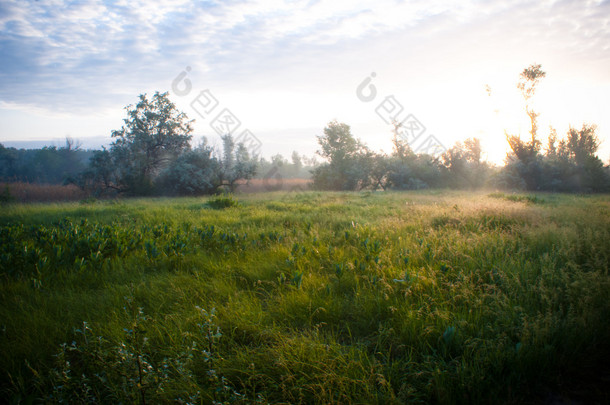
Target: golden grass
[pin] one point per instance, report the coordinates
(31, 192)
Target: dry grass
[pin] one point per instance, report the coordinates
(31, 192)
(263, 185)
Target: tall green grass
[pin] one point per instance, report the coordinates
(420, 297)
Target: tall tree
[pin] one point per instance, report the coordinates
(587, 172)
(580, 145)
(349, 160)
(528, 82)
(527, 152)
(400, 147)
(236, 163)
(473, 150)
(338, 143)
(154, 134)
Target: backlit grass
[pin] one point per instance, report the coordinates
(421, 297)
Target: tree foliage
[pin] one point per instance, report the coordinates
(194, 172)
(570, 165)
(463, 165)
(49, 165)
(154, 134)
(236, 163)
(151, 154)
(349, 161)
(527, 152)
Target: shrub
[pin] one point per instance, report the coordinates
(224, 201)
(194, 172)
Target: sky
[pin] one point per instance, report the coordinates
(275, 72)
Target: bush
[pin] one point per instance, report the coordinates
(221, 202)
(194, 172)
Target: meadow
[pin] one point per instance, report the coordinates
(307, 297)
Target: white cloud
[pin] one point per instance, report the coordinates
(89, 55)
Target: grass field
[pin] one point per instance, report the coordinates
(376, 298)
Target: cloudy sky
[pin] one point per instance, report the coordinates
(284, 69)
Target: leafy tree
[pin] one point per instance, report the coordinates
(101, 175)
(154, 134)
(236, 163)
(194, 172)
(527, 151)
(349, 160)
(400, 148)
(408, 170)
(528, 82)
(551, 149)
(380, 168)
(455, 163)
(529, 79)
(587, 170)
(50, 164)
(463, 165)
(299, 167)
(580, 145)
(8, 160)
(296, 161)
(400, 172)
(473, 150)
(338, 144)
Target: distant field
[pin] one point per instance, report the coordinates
(308, 297)
(34, 192)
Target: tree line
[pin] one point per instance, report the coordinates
(571, 166)
(568, 165)
(152, 154)
(48, 165)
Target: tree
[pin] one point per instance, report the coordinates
(297, 163)
(100, 176)
(527, 152)
(349, 160)
(463, 165)
(473, 150)
(580, 145)
(380, 168)
(408, 170)
(455, 163)
(528, 81)
(194, 172)
(338, 144)
(154, 134)
(296, 160)
(8, 160)
(49, 164)
(551, 149)
(587, 172)
(401, 149)
(236, 163)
